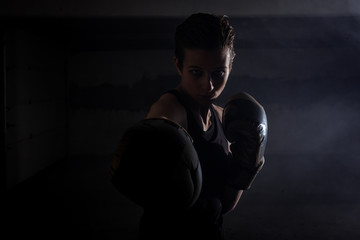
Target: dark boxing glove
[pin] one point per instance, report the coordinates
(156, 165)
(245, 127)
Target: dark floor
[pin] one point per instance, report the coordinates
(75, 199)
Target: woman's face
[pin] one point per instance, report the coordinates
(204, 73)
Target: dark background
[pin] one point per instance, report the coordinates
(76, 74)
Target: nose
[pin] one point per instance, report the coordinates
(207, 83)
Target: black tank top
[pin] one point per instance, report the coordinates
(204, 219)
(212, 149)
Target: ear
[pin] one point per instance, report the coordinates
(177, 65)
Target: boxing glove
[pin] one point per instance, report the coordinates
(245, 126)
(157, 166)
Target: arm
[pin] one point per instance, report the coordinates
(230, 198)
(245, 127)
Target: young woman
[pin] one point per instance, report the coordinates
(204, 53)
(203, 58)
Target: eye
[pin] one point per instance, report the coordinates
(218, 74)
(196, 72)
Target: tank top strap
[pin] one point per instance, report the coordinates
(179, 97)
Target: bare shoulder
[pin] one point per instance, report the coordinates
(168, 106)
(219, 111)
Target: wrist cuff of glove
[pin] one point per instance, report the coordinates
(242, 176)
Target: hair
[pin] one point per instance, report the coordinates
(203, 31)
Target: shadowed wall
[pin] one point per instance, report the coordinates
(107, 71)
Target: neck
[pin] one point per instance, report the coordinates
(206, 118)
(201, 112)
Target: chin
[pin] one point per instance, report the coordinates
(206, 101)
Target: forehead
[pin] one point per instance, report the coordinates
(205, 58)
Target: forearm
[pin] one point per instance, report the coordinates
(241, 175)
(230, 198)
(237, 179)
